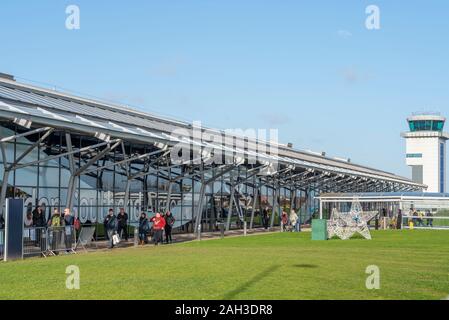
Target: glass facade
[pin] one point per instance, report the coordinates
(426, 125)
(46, 184)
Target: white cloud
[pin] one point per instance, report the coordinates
(345, 34)
(168, 67)
(352, 75)
(274, 119)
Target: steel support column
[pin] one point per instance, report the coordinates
(72, 180)
(231, 204)
(256, 199)
(203, 192)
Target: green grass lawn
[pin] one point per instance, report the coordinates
(413, 265)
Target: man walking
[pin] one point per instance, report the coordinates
(122, 219)
(110, 223)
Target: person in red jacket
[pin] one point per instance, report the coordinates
(158, 227)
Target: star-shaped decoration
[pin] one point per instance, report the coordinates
(346, 224)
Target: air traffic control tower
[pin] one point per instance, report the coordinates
(426, 150)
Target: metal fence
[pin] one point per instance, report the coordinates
(48, 241)
(61, 239)
(34, 241)
(425, 222)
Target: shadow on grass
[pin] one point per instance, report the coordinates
(244, 286)
(305, 266)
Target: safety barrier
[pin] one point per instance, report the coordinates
(35, 241)
(41, 241)
(425, 222)
(61, 239)
(85, 238)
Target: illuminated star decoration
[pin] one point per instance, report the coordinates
(345, 224)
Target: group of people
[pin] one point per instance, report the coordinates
(417, 217)
(289, 222)
(154, 226)
(116, 225)
(60, 226)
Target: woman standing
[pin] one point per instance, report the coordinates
(158, 227)
(294, 221)
(144, 227)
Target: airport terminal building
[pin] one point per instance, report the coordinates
(63, 151)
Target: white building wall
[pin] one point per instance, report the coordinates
(429, 147)
(445, 166)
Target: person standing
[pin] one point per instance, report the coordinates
(429, 218)
(284, 219)
(294, 220)
(38, 217)
(144, 227)
(169, 222)
(110, 223)
(265, 218)
(420, 218)
(68, 229)
(158, 227)
(122, 219)
(399, 221)
(410, 219)
(39, 223)
(55, 222)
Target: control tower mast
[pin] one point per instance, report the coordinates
(426, 150)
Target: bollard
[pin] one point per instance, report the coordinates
(136, 237)
(244, 229)
(199, 233)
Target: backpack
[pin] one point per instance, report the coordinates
(112, 223)
(146, 226)
(56, 221)
(77, 224)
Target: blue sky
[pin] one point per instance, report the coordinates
(309, 68)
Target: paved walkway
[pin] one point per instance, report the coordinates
(185, 237)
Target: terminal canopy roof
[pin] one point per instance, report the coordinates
(383, 196)
(39, 107)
